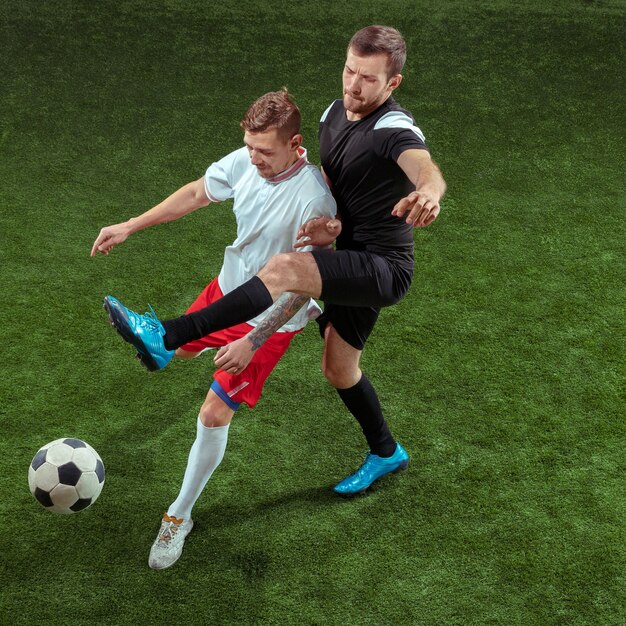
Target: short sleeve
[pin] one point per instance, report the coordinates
(396, 132)
(322, 206)
(221, 176)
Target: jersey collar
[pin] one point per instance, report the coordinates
(292, 169)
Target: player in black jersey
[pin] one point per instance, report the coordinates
(385, 183)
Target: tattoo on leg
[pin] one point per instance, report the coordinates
(283, 310)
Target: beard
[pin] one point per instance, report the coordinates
(359, 106)
(352, 104)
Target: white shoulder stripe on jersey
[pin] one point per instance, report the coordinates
(397, 119)
(325, 114)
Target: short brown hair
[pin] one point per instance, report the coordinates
(273, 110)
(376, 39)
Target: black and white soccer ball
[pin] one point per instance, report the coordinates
(66, 476)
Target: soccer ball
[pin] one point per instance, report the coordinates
(66, 476)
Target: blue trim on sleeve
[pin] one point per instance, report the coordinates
(326, 112)
(219, 390)
(397, 119)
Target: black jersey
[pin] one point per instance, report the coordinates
(360, 158)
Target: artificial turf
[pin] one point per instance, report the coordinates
(502, 372)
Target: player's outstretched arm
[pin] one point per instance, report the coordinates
(187, 199)
(234, 357)
(421, 207)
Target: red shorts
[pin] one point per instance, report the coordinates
(247, 385)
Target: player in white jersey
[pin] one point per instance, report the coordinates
(275, 191)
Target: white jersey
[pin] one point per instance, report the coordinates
(269, 213)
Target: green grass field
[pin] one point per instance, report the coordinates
(502, 372)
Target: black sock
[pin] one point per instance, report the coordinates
(240, 305)
(362, 401)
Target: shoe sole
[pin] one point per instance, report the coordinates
(403, 466)
(120, 324)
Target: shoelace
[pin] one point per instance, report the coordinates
(150, 320)
(363, 469)
(168, 530)
(366, 464)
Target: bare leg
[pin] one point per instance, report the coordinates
(295, 272)
(214, 412)
(340, 362)
(340, 365)
(186, 354)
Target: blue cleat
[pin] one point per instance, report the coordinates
(372, 469)
(145, 332)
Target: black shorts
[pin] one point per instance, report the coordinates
(355, 286)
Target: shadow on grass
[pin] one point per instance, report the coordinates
(235, 512)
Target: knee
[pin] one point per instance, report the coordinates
(206, 416)
(212, 415)
(340, 376)
(280, 269)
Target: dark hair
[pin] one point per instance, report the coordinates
(377, 39)
(273, 110)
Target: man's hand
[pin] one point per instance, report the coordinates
(110, 236)
(319, 231)
(234, 357)
(422, 207)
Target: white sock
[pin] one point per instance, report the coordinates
(205, 455)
